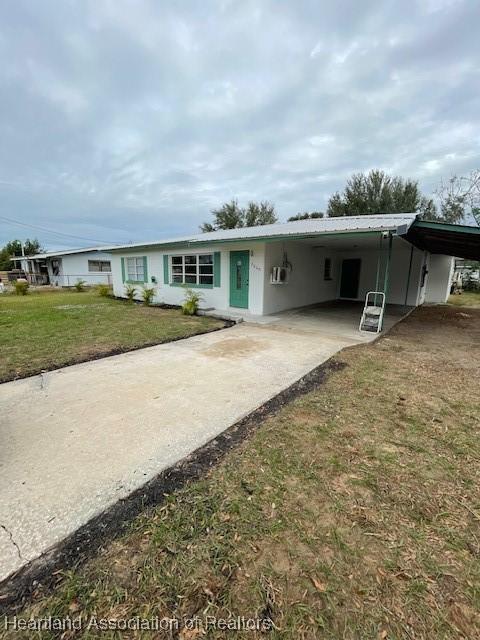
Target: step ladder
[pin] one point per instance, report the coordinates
(373, 311)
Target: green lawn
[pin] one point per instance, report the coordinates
(48, 329)
(466, 299)
(353, 513)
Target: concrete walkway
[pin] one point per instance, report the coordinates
(76, 440)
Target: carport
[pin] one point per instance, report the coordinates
(336, 319)
(344, 266)
(410, 262)
(459, 240)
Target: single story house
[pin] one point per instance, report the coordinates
(267, 269)
(65, 268)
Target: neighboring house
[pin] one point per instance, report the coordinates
(465, 272)
(65, 268)
(266, 269)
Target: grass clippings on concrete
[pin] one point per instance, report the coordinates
(49, 329)
(352, 513)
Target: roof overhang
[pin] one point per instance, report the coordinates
(190, 244)
(66, 252)
(396, 225)
(457, 240)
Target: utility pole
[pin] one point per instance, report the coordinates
(23, 263)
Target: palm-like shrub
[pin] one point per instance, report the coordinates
(147, 295)
(80, 285)
(191, 302)
(130, 291)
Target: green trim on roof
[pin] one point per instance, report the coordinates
(445, 226)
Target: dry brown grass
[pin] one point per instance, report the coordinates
(353, 513)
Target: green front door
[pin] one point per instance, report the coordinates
(239, 268)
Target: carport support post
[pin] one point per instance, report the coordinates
(409, 275)
(387, 267)
(379, 259)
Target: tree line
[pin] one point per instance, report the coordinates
(364, 194)
(14, 248)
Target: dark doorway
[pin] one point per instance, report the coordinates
(350, 278)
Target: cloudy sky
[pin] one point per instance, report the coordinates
(125, 120)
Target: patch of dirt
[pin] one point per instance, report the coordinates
(234, 348)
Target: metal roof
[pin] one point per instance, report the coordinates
(458, 240)
(436, 237)
(66, 252)
(297, 228)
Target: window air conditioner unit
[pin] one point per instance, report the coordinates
(279, 275)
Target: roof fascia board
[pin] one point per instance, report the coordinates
(275, 238)
(445, 226)
(150, 247)
(60, 254)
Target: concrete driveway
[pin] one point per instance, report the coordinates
(76, 440)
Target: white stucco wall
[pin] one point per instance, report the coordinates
(398, 272)
(74, 267)
(306, 284)
(217, 297)
(439, 278)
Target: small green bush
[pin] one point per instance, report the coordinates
(147, 295)
(80, 285)
(191, 302)
(21, 287)
(104, 290)
(130, 291)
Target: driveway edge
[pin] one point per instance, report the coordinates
(108, 353)
(43, 573)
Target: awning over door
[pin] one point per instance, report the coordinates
(457, 240)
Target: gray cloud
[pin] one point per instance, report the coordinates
(130, 119)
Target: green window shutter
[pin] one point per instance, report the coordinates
(166, 279)
(216, 269)
(145, 270)
(123, 269)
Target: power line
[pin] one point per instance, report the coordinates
(51, 231)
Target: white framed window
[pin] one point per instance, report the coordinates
(99, 265)
(192, 269)
(134, 269)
